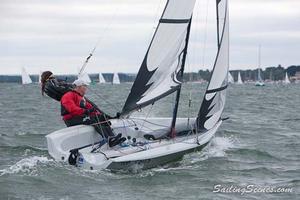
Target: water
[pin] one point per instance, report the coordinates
(258, 145)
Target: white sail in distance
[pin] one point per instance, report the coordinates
(230, 78)
(286, 80)
(159, 72)
(85, 77)
(25, 77)
(239, 78)
(101, 78)
(214, 99)
(40, 77)
(116, 79)
(259, 75)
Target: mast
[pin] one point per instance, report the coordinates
(173, 131)
(218, 23)
(259, 63)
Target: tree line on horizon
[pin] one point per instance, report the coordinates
(270, 73)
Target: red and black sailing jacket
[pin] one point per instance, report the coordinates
(74, 105)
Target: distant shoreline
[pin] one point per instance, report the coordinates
(269, 74)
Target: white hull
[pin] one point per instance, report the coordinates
(259, 83)
(143, 154)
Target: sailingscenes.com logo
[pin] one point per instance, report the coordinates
(250, 189)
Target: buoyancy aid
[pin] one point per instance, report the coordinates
(74, 105)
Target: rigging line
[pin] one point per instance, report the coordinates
(154, 23)
(106, 101)
(100, 39)
(205, 35)
(142, 126)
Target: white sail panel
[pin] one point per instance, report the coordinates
(165, 46)
(25, 77)
(219, 78)
(165, 77)
(214, 99)
(178, 9)
(157, 76)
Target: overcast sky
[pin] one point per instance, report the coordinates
(58, 35)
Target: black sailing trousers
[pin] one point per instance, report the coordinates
(99, 122)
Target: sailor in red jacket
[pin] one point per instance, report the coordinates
(75, 110)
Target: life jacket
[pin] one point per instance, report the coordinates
(75, 105)
(56, 89)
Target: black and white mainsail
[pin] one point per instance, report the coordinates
(214, 98)
(159, 74)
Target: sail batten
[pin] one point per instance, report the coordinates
(159, 73)
(174, 21)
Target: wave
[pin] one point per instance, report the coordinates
(255, 154)
(26, 165)
(219, 146)
(22, 148)
(292, 119)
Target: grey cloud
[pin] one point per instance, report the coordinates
(60, 33)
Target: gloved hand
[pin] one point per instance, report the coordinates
(89, 111)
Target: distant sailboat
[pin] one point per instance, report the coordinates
(25, 77)
(287, 80)
(116, 79)
(101, 78)
(239, 78)
(230, 78)
(259, 81)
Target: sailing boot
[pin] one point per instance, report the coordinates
(113, 141)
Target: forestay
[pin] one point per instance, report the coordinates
(159, 73)
(214, 99)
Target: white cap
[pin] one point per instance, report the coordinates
(80, 82)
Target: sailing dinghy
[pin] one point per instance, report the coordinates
(25, 77)
(156, 141)
(286, 80)
(259, 81)
(239, 78)
(101, 78)
(116, 79)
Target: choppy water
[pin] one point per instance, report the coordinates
(258, 145)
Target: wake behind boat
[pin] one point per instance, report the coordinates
(155, 141)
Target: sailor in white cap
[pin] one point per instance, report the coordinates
(76, 110)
